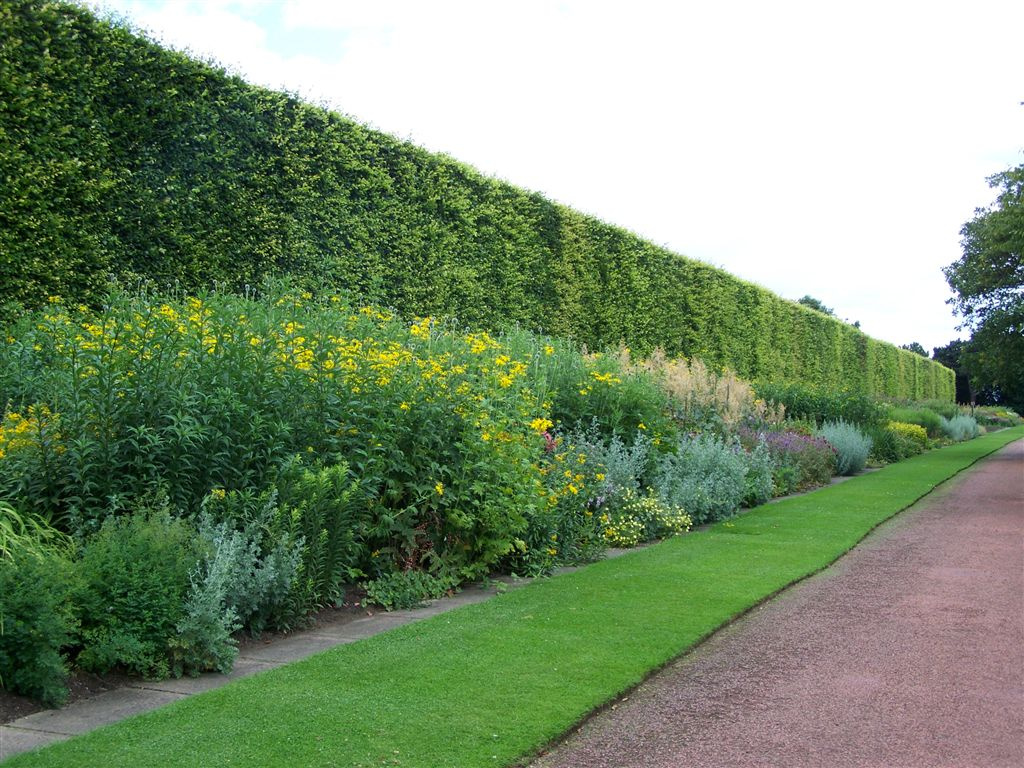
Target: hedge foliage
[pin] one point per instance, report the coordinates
(123, 159)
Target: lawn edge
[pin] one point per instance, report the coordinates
(996, 442)
(628, 691)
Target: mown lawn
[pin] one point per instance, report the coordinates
(490, 684)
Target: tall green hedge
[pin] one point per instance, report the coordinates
(121, 159)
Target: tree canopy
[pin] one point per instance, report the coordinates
(916, 348)
(813, 303)
(988, 281)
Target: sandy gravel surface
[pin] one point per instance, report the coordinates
(908, 652)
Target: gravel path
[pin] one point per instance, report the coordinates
(907, 652)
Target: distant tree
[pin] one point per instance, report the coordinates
(950, 356)
(813, 303)
(988, 281)
(916, 348)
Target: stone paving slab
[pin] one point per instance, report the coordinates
(292, 648)
(102, 709)
(15, 740)
(205, 682)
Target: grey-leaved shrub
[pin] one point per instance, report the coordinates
(960, 428)
(205, 634)
(243, 580)
(254, 563)
(850, 444)
(705, 477)
(624, 465)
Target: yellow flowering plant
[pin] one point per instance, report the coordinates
(450, 434)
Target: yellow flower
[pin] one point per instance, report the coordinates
(541, 425)
(599, 476)
(548, 349)
(404, 406)
(421, 329)
(641, 425)
(439, 488)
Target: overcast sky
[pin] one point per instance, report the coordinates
(825, 148)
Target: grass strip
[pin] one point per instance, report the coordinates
(490, 684)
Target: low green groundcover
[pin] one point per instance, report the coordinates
(490, 684)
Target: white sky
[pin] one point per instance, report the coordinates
(824, 148)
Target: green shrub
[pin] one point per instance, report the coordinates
(923, 417)
(565, 529)
(895, 442)
(820, 406)
(959, 428)
(36, 615)
(759, 483)
(851, 446)
(915, 432)
(36, 625)
(323, 508)
(221, 392)
(705, 477)
(407, 589)
(135, 578)
(604, 392)
(944, 408)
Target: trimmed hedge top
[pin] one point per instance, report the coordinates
(123, 159)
